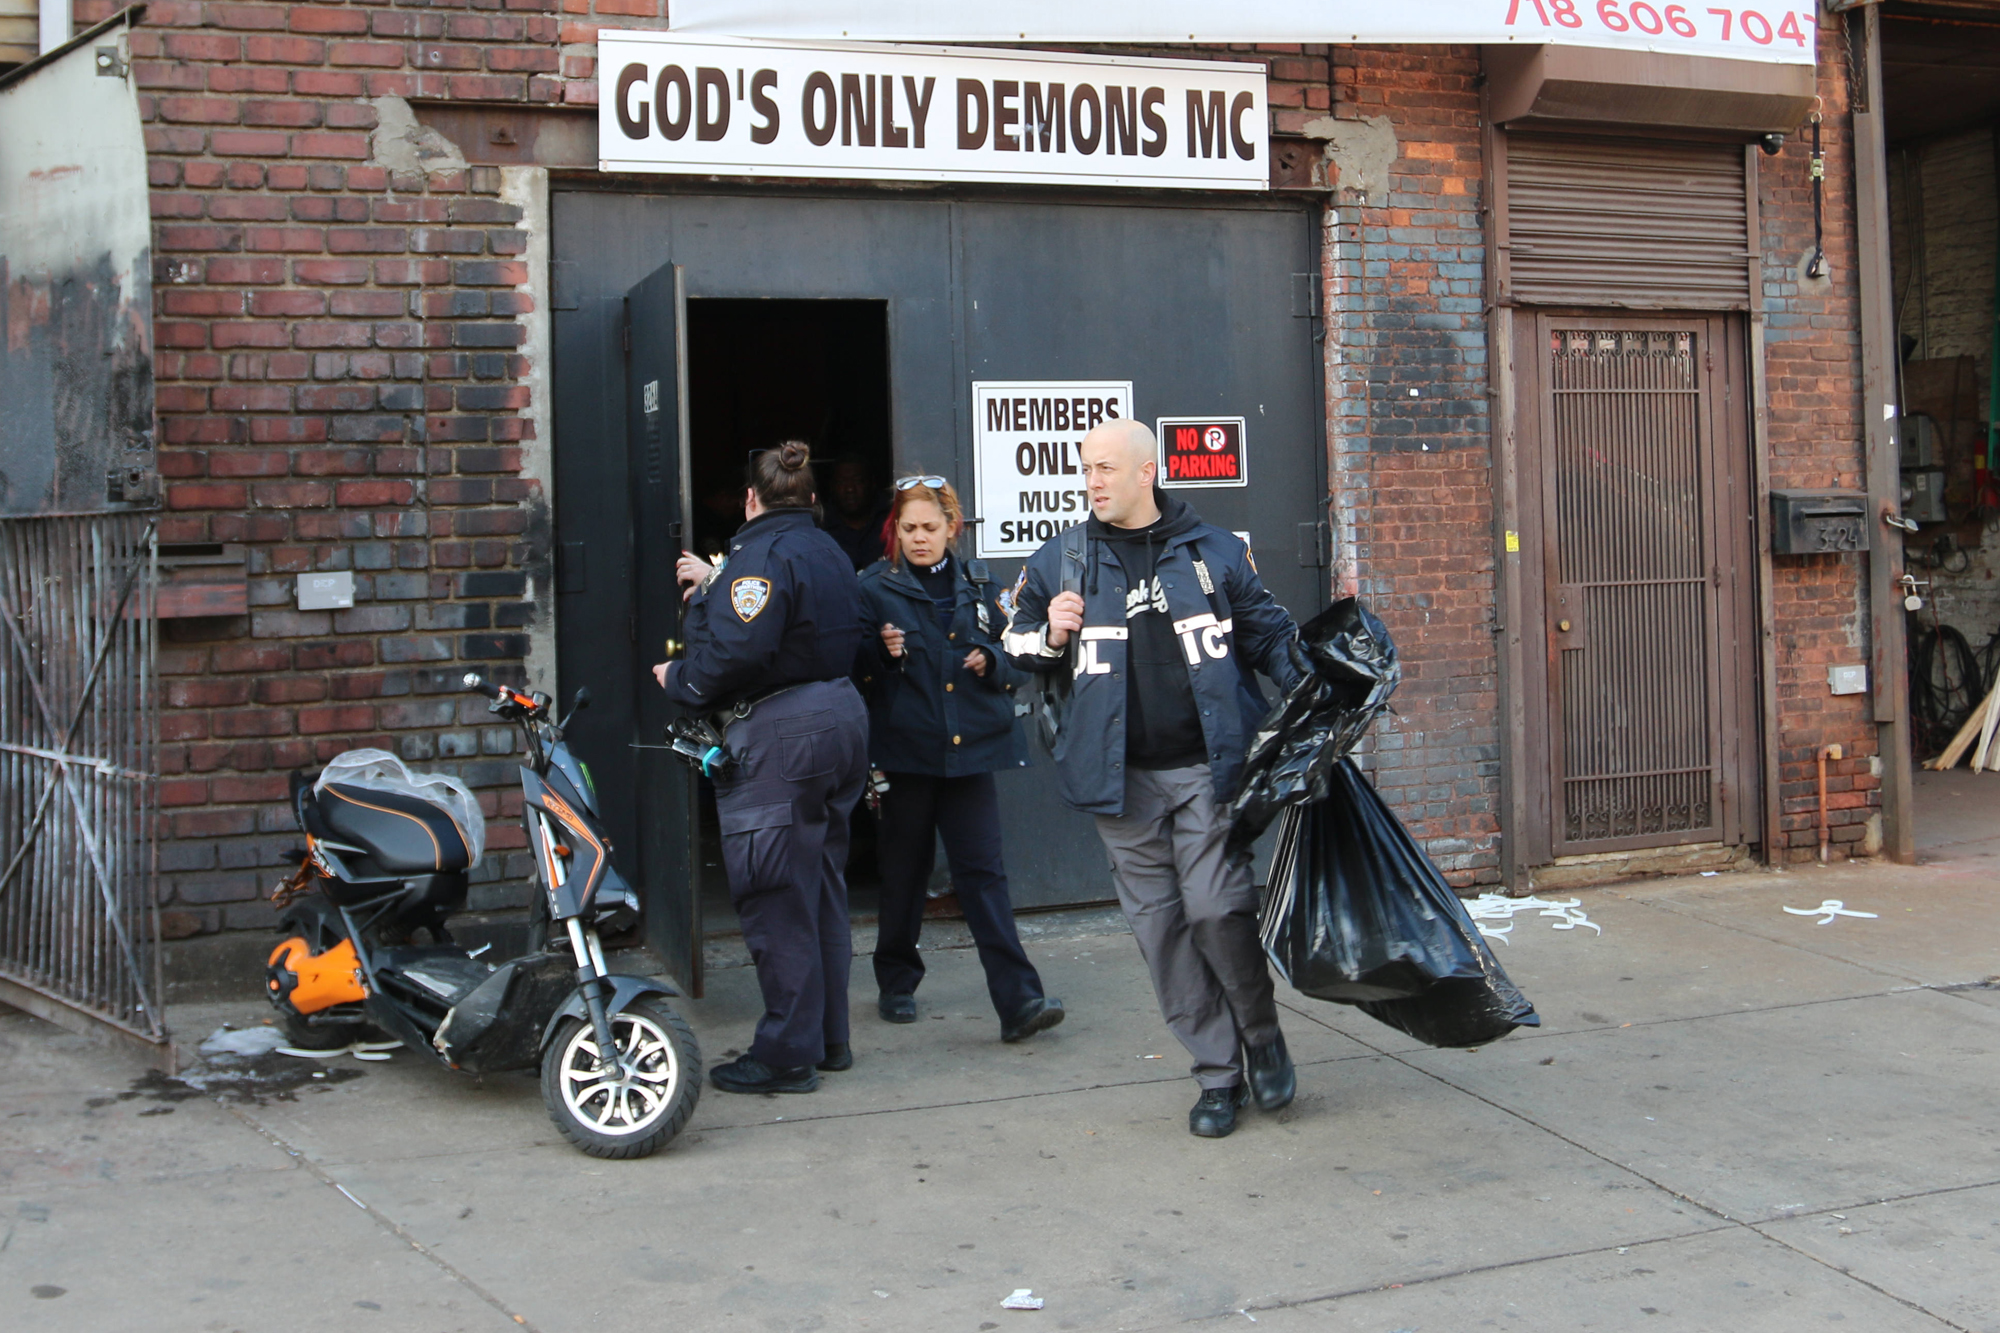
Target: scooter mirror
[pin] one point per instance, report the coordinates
(581, 701)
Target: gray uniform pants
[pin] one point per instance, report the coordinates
(1194, 912)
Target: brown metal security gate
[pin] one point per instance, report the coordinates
(78, 734)
(1639, 545)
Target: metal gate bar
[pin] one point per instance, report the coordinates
(79, 740)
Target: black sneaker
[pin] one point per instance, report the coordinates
(897, 1008)
(748, 1075)
(1272, 1079)
(1037, 1015)
(839, 1058)
(1214, 1116)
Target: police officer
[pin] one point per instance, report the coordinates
(1157, 619)
(771, 636)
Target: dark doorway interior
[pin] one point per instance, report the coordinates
(761, 372)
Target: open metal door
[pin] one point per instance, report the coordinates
(669, 862)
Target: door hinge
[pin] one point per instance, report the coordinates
(1313, 542)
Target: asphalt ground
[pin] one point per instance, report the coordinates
(1732, 1118)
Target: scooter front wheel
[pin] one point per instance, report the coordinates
(634, 1110)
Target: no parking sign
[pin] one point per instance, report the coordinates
(1202, 451)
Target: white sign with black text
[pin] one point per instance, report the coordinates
(723, 106)
(1024, 450)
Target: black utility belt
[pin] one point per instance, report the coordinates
(722, 718)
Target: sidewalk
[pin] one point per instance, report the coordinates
(1732, 1119)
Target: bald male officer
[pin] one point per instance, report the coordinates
(1159, 619)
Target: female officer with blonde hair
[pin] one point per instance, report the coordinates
(940, 697)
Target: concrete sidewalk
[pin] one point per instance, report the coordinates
(1732, 1119)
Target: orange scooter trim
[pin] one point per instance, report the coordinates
(310, 982)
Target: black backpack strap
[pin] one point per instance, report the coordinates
(1075, 549)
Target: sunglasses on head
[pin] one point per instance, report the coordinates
(911, 483)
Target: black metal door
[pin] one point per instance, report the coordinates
(1196, 307)
(1196, 304)
(656, 426)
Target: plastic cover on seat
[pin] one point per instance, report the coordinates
(378, 770)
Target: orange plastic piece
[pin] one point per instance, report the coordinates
(310, 982)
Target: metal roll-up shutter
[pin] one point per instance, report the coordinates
(1599, 222)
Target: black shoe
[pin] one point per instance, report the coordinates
(898, 1008)
(839, 1058)
(1038, 1015)
(1214, 1116)
(1271, 1076)
(748, 1075)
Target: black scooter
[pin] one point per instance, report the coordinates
(620, 1069)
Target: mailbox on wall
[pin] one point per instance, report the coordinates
(1818, 522)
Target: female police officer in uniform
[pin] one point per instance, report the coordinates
(771, 636)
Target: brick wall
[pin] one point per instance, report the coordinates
(344, 311)
(1413, 472)
(1813, 377)
(344, 314)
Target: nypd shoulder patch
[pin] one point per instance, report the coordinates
(748, 596)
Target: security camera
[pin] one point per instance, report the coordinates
(1772, 144)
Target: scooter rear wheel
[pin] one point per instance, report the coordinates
(615, 1115)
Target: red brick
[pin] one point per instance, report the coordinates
(202, 46)
(247, 79)
(327, 83)
(205, 495)
(268, 50)
(371, 55)
(274, 305)
(249, 143)
(368, 494)
(291, 114)
(327, 143)
(329, 22)
(247, 270)
(336, 718)
(292, 494)
(198, 110)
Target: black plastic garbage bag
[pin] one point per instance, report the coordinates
(1357, 914)
(1349, 671)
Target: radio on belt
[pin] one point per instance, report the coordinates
(1818, 522)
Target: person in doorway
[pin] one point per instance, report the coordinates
(771, 640)
(940, 724)
(858, 513)
(1157, 619)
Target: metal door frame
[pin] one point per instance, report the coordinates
(1733, 664)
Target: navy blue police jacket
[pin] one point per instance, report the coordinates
(926, 712)
(1229, 626)
(784, 609)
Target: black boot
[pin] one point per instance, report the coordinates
(748, 1075)
(1038, 1015)
(897, 1008)
(1214, 1116)
(839, 1058)
(1272, 1079)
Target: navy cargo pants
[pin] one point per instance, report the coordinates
(801, 759)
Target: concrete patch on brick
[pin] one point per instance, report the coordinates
(400, 144)
(1362, 151)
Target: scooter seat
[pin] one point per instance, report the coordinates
(402, 834)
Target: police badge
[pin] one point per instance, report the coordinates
(747, 597)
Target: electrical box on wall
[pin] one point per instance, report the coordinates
(1818, 522)
(1847, 679)
(326, 592)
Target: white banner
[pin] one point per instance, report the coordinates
(1024, 441)
(720, 106)
(1773, 32)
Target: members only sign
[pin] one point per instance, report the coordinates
(721, 106)
(1024, 444)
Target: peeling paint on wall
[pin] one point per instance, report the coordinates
(76, 365)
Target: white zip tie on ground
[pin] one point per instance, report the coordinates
(361, 1050)
(1832, 907)
(1498, 907)
(1024, 1298)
